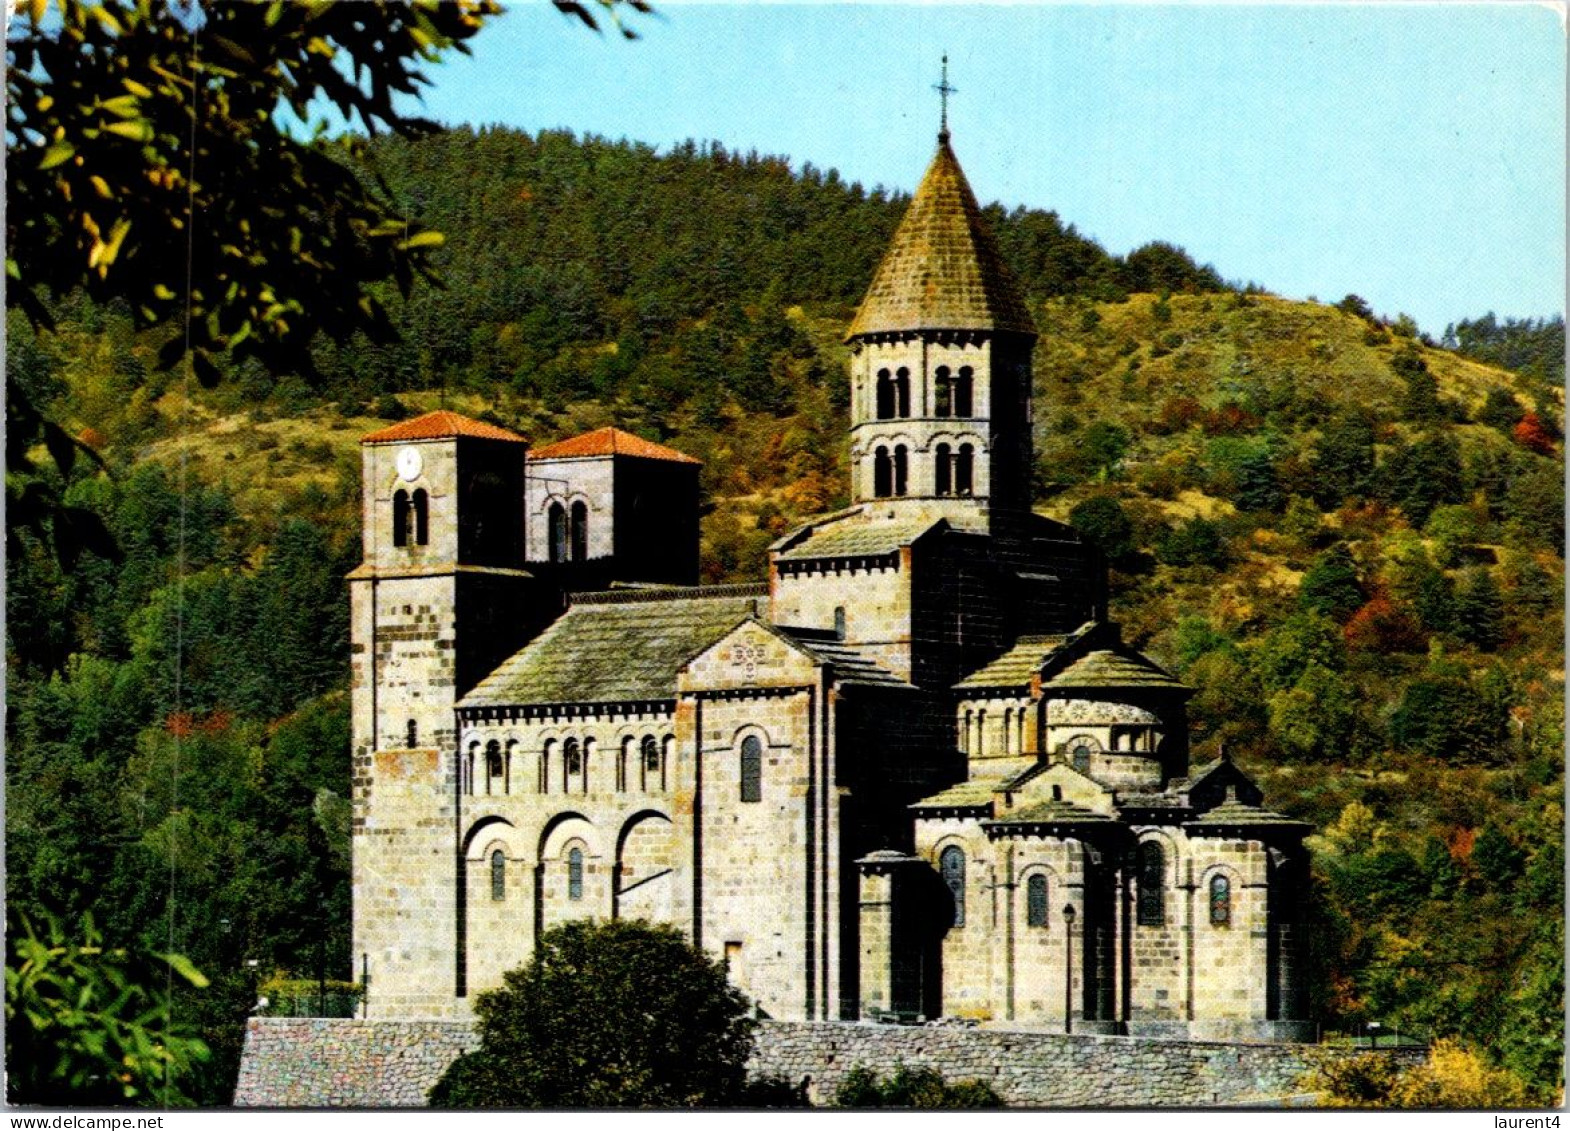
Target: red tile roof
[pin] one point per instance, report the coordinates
(610, 442)
(440, 425)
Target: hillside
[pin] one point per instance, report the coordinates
(1346, 539)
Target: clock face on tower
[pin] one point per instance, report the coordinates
(409, 464)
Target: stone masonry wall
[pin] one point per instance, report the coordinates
(319, 1062)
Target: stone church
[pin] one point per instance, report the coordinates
(915, 773)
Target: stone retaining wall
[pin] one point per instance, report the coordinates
(325, 1062)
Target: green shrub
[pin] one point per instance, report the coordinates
(923, 1088)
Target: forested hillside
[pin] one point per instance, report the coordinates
(1346, 538)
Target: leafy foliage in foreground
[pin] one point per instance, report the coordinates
(1452, 1077)
(923, 1088)
(617, 1014)
(89, 1025)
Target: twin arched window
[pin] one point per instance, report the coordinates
(951, 866)
(890, 474)
(568, 534)
(1151, 910)
(954, 392)
(893, 394)
(411, 518)
(751, 768)
(1036, 901)
(954, 473)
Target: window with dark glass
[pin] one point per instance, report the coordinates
(572, 757)
(1152, 885)
(580, 532)
(1036, 901)
(400, 521)
(951, 865)
(556, 521)
(1079, 757)
(901, 470)
(902, 392)
(943, 471)
(575, 874)
(498, 875)
(751, 769)
(839, 621)
(1220, 901)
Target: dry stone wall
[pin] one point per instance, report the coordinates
(321, 1062)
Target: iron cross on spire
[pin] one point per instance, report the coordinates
(944, 90)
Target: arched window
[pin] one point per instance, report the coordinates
(498, 875)
(981, 733)
(400, 518)
(1079, 755)
(411, 734)
(964, 402)
(1008, 728)
(580, 531)
(951, 864)
(1152, 885)
(466, 769)
(943, 471)
(839, 621)
(422, 518)
(885, 395)
(556, 522)
(901, 470)
(966, 742)
(944, 401)
(902, 392)
(547, 756)
(1220, 901)
(1036, 901)
(882, 473)
(964, 470)
(575, 874)
(510, 755)
(652, 775)
(572, 763)
(588, 761)
(493, 765)
(751, 769)
(622, 763)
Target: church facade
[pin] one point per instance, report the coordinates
(915, 773)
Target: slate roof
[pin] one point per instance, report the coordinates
(854, 539)
(1236, 813)
(1105, 668)
(440, 425)
(942, 270)
(975, 793)
(850, 664)
(1053, 813)
(1016, 666)
(610, 442)
(627, 650)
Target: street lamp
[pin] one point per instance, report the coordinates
(1068, 968)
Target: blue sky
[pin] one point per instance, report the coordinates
(1414, 154)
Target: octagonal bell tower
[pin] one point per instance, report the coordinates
(941, 372)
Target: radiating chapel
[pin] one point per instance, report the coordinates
(915, 773)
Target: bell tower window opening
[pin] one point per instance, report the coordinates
(575, 874)
(1036, 901)
(1152, 910)
(902, 392)
(493, 765)
(882, 473)
(943, 471)
(951, 865)
(751, 769)
(944, 389)
(400, 518)
(572, 763)
(964, 471)
(901, 470)
(885, 395)
(580, 532)
(963, 396)
(653, 770)
(556, 523)
(1220, 901)
(422, 518)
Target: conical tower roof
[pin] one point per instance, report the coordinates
(943, 270)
